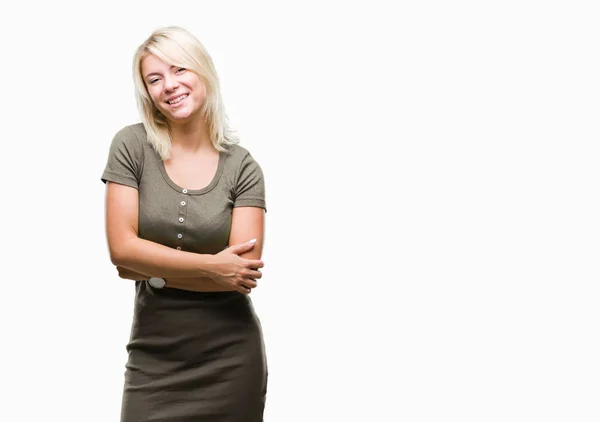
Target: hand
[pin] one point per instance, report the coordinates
(235, 272)
(130, 274)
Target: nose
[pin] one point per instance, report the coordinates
(171, 84)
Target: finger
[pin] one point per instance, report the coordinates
(241, 247)
(254, 274)
(243, 289)
(254, 263)
(250, 283)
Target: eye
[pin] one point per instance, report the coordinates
(181, 68)
(152, 81)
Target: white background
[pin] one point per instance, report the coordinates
(432, 184)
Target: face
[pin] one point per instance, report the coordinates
(178, 93)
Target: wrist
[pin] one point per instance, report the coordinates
(207, 266)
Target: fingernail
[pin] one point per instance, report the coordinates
(252, 241)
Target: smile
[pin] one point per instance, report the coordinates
(177, 100)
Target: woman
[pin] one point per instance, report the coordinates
(185, 209)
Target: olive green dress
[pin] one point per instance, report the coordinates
(192, 356)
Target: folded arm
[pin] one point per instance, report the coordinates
(143, 256)
(140, 259)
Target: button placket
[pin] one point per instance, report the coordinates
(183, 205)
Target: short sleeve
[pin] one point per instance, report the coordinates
(250, 185)
(125, 159)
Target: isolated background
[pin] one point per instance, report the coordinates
(432, 185)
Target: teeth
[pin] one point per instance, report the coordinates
(176, 100)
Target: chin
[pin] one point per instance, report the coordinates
(178, 114)
(181, 118)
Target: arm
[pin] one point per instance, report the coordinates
(197, 284)
(122, 174)
(144, 259)
(142, 256)
(246, 223)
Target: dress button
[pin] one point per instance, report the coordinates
(178, 248)
(185, 191)
(181, 219)
(182, 203)
(180, 235)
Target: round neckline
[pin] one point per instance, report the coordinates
(207, 188)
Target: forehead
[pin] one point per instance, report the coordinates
(151, 63)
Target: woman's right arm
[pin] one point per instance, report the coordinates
(145, 257)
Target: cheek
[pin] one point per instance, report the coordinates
(200, 93)
(154, 94)
(198, 87)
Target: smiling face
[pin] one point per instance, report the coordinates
(178, 93)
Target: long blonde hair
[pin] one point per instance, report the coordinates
(178, 47)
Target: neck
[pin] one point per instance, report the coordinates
(191, 135)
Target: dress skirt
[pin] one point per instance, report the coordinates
(194, 357)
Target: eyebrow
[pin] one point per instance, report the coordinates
(156, 73)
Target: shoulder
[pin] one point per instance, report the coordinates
(131, 133)
(125, 158)
(240, 161)
(128, 144)
(238, 156)
(131, 140)
(237, 152)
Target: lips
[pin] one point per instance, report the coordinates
(177, 98)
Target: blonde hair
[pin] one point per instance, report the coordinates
(176, 46)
